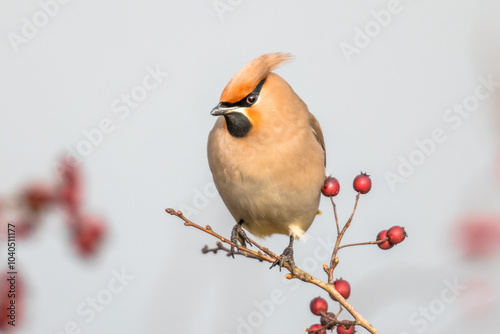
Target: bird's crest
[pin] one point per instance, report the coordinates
(249, 76)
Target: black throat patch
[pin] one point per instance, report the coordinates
(238, 124)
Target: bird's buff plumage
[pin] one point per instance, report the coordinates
(267, 152)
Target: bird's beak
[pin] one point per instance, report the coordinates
(222, 110)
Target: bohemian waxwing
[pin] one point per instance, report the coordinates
(266, 154)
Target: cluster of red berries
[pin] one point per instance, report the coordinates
(386, 239)
(25, 213)
(392, 236)
(87, 231)
(328, 320)
(362, 184)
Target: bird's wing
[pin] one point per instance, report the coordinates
(316, 129)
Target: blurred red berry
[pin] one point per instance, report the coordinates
(326, 319)
(396, 234)
(331, 187)
(343, 330)
(7, 296)
(343, 287)
(71, 192)
(318, 305)
(39, 195)
(362, 183)
(89, 234)
(316, 329)
(478, 235)
(25, 227)
(70, 172)
(386, 244)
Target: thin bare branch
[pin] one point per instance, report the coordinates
(336, 216)
(297, 272)
(365, 243)
(334, 260)
(209, 230)
(220, 247)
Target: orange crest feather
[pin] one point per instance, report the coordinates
(249, 76)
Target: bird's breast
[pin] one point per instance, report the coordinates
(271, 187)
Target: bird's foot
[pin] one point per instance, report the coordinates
(239, 235)
(286, 257)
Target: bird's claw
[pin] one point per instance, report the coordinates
(286, 257)
(239, 235)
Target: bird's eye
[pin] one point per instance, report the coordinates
(252, 98)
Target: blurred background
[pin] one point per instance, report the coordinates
(408, 91)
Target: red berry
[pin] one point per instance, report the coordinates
(315, 329)
(343, 287)
(478, 235)
(396, 234)
(318, 305)
(326, 319)
(342, 330)
(71, 199)
(89, 233)
(331, 187)
(362, 183)
(38, 195)
(26, 226)
(71, 192)
(386, 244)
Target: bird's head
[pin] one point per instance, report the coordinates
(256, 98)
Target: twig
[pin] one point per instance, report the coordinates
(365, 243)
(335, 213)
(340, 311)
(334, 260)
(297, 272)
(220, 247)
(265, 250)
(209, 230)
(332, 322)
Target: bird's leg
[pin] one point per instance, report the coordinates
(287, 256)
(239, 235)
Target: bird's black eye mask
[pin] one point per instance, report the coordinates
(248, 100)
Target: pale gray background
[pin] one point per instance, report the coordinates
(372, 110)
